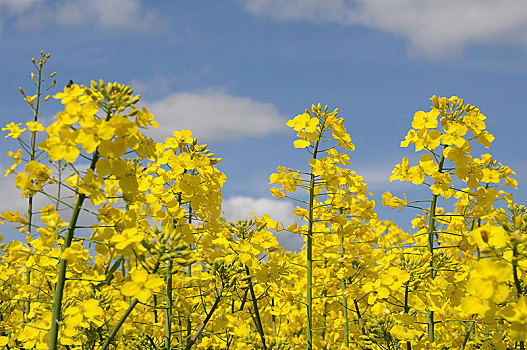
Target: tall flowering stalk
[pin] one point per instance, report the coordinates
(445, 134)
(333, 193)
(35, 102)
(168, 271)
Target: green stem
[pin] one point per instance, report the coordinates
(431, 233)
(517, 283)
(33, 142)
(127, 313)
(61, 280)
(30, 199)
(344, 300)
(469, 331)
(406, 310)
(116, 328)
(309, 278)
(168, 321)
(258, 322)
(189, 272)
(273, 320)
(110, 273)
(230, 339)
(204, 324)
(61, 276)
(359, 317)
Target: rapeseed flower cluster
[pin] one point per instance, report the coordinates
(166, 271)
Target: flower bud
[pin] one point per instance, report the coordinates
(435, 101)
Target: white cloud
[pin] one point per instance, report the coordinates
(12, 201)
(239, 207)
(374, 176)
(10, 194)
(74, 14)
(214, 115)
(435, 27)
(16, 6)
(158, 85)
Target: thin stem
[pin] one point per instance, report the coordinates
(359, 317)
(127, 313)
(469, 331)
(273, 319)
(204, 324)
(258, 320)
(517, 284)
(309, 297)
(189, 271)
(344, 300)
(116, 328)
(30, 199)
(168, 321)
(431, 231)
(61, 276)
(406, 310)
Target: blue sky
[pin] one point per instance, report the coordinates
(235, 71)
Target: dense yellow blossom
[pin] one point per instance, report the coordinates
(151, 263)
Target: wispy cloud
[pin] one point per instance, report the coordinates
(214, 115)
(10, 194)
(16, 6)
(103, 15)
(436, 28)
(374, 176)
(239, 207)
(157, 85)
(13, 201)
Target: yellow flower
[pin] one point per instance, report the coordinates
(427, 139)
(141, 285)
(301, 143)
(72, 93)
(485, 138)
(144, 118)
(24, 183)
(411, 137)
(87, 312)
(343, 138)
(38, 171)
(490, 237)
(61, 147)
(288, 179)
(441, 187)
(454, 133)
(475, 122)
(14, 130)
(425, 120)
(35, 126)
(17, 158)
(91, 186)
(516, 314)
(470, 173)
(400, 171)
(303, 122)
(127, 237)
(14, 216)
(428, 164)
(389, 200)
